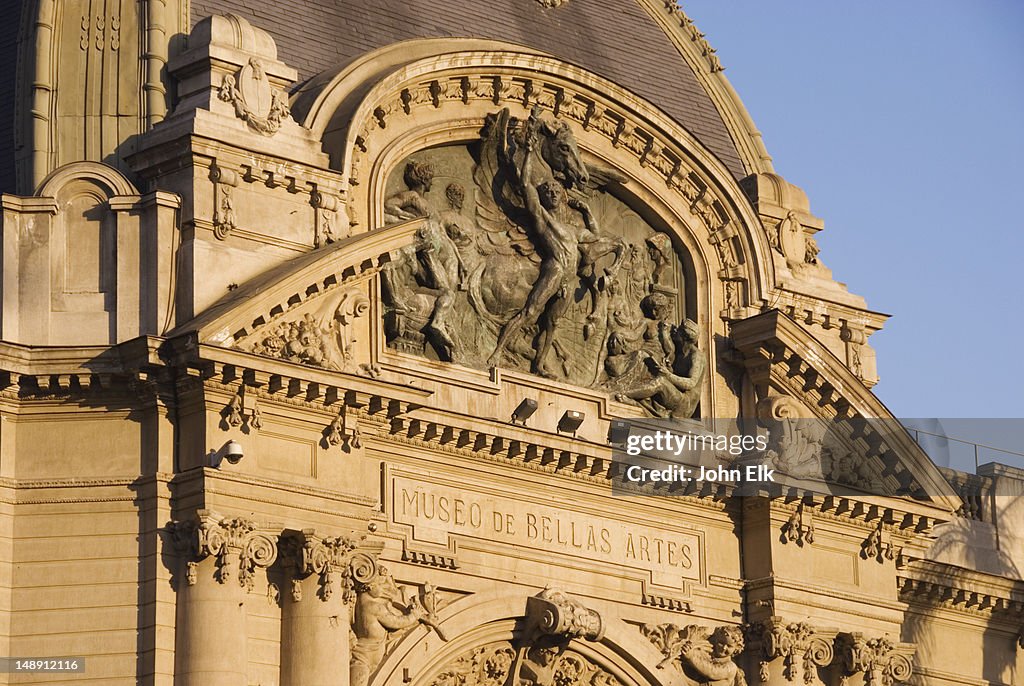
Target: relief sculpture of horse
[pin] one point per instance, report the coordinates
(526, 248)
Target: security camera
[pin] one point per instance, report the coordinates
(232, 452)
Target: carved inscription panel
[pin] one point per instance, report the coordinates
(436, 512)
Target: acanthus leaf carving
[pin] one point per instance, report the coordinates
(803, 648)
(235, 543)
(329, 558)
(882, 661)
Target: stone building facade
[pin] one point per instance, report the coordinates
(319, 323)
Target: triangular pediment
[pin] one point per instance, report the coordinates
(838, 432)
(285, 292)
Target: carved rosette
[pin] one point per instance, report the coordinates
(801, 647)
(238, 548)
(704, 654)
(882, 662)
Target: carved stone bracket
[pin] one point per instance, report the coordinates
(327, 228)
(802, 647)
(255, 100)
(553, 619)
(234, 542)
(702, 653)
(224, 182)
(881, 661)
(243, 408)
(344, 430)
(799, 528)
(878, 545)
(555, 613)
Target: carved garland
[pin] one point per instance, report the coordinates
(256, 102)
(650, 149)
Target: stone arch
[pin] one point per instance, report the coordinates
(114, 182)
(441, 95)
(614, 123)
(488, 619)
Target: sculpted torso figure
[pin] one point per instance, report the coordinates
(376, 615)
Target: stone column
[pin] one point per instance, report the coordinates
(219, 561)
(321, 574)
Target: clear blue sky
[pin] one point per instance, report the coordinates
(903, 122)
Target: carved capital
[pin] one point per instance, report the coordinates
(332, 559)
(802, 647)
(235, 543)
(882, 662)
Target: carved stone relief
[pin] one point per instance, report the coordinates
(794, 436)
(323, 334)
(803, 648)
(381, 611)
(493, 664)
(255, 100)
(529, 261)
(541, 655)
(705, 655)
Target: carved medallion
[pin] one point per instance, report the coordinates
(256, 101)
(530, 261)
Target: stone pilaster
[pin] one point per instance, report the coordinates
(219, 559)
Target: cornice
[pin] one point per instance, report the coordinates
(784, 358)
(937, 585)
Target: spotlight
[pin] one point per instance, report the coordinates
(524, 410)
(570, 421)
(618, 431)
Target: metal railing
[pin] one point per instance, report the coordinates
(1019, 456)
